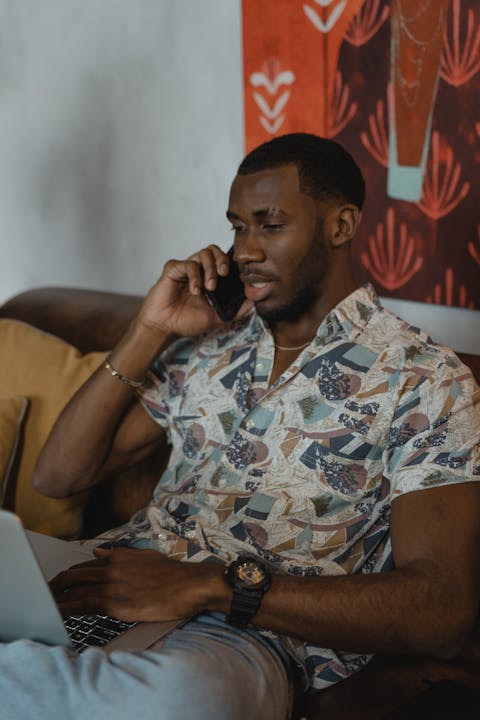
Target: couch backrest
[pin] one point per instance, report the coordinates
(91, 320)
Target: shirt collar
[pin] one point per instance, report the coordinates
(352, 314)
(349, 318)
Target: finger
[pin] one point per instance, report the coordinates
(105, 600)
(88, 605)
(73, 571)
(185, 271)
(98, 561)
(104, 553)
(201, 269)
(244, 309)
(91, 575)
(221, 259)
(208, 264)
(194, 273)
(73, 607)
(90, 597)
(106, 567)
(214, 261)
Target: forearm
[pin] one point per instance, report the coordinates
(403, 610)
(415, 609)
(409, 610)
(84, 444)
(428, 604)
(80, 444)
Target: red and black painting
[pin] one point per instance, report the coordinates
(398, 84)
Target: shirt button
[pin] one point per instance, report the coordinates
(250, 423)
(259, 366)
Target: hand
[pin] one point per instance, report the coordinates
(177, 304)
(139, 585)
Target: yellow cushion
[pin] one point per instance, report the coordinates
(12, 414)
(48, 371)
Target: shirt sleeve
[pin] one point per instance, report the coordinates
(164, 385)
(435, 433)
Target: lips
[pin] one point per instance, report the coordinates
(257, 287)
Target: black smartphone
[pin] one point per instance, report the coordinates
(228, 296)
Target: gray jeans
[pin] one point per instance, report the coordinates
(204, 670)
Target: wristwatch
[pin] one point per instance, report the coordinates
(249, 579)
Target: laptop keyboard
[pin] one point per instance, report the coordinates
(94, 630)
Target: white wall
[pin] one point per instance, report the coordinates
(120, 131)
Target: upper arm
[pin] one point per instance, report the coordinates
(136, 438)
(434, 456)
(437, 530)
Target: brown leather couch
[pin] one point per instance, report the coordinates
(94, 320)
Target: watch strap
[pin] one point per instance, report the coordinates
(244, 606)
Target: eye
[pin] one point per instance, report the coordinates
(272, 227)
(237, 228)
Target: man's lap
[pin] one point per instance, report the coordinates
(204, 670)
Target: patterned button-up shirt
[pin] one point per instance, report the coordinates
(303, 473)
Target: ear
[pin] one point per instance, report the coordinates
(345, 224)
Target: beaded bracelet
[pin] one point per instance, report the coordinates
(123, 378)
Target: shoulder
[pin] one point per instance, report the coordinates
(410, 349)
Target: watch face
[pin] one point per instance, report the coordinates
(250, 573)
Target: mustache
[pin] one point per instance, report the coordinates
(250, 273)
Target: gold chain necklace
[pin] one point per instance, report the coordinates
(297, 347)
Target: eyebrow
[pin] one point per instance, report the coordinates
(260, 214)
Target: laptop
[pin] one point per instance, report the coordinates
(28, 560)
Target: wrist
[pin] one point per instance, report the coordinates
(137, 350)
(216, 595)
(159, 334)
(149, 337)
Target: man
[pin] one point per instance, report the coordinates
(317, 434)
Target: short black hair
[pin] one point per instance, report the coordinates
(325, 169)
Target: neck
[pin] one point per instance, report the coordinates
(299, 334)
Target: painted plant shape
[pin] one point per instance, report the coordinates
(473, 249)
(442, 191)
(367, 22)
(342, 109)
(390, 261)
(376, 141)
(444, 294)
(461, 55)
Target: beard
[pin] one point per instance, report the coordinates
(309, 283)
(291, 310)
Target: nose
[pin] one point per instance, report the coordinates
(248, 248)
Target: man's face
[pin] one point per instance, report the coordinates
(279, 243)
